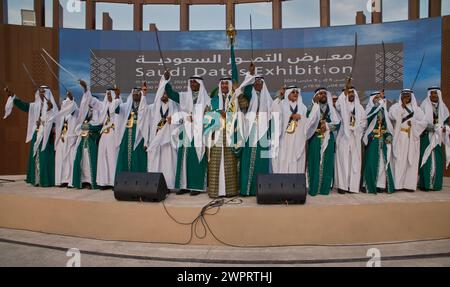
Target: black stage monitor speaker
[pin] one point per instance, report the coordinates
(140, 186)
(281, 188)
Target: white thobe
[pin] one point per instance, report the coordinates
(107, 154)
(291, 156)
(347, 171)
(407, 148)
(64, 153)
(161, 153)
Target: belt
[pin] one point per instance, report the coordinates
(130, 121)
(406, 130)
(379, 133)
(108, 129)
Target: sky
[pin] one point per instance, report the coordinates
(295, 14)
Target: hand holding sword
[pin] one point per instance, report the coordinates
(350, 77)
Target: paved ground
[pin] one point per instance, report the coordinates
(25, 248)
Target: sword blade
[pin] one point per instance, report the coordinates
(251, 35)
(159, 49)
(355, 53)
(324, 69)
(92, 52)
(59, 65)
(384, 65)
(53, 73)
(29, 75)
(31, 78)
(418, 71)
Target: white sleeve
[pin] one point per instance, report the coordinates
(9, 106)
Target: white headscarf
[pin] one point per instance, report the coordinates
(343, 104)
(220, 94)
(195, 129)
(285, 106)
(437, 136)
(416, 129)
(33, 116)
(103, 113)
(67, 108)
(87, 101)
(265, 107)
(232, 118)
(314, 119)
(33, 113)
(121, 119)
(156, 140)
(427, 107)
(371, 125)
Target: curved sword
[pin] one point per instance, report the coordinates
(418, 71)
(53, 73)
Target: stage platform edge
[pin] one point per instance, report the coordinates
(322, 220)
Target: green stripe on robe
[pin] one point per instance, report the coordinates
(45, 158)
(91, 142)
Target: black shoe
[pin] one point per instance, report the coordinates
(381, 190)
(182, 191)
(64, 185)
(341, 191)
(409, 190)
(195, 192)
(86, 185)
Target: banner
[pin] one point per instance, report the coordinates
(308, 58)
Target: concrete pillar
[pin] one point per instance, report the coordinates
(39, 10)
(90, 14)
(445, 63)
(360, 18)
(276, 14)
(434, 8)
(57, 15)
(377, 8)
(413, 9)
(107, 22)
(324, 13)
(3, 11)
(184, 15)
(230, 13)
(137, 15)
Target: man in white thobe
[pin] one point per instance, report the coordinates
(107, 148)
(274, 161)
(409, 125)
(161, 143)
(65, 140)
(348, 142)
(290, 119)
(85, 156)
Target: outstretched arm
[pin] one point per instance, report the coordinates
(21, 105)
(174, 96)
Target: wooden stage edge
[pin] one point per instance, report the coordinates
(335, 219)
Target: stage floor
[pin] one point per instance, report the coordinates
(333, 219)
(20, 188)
